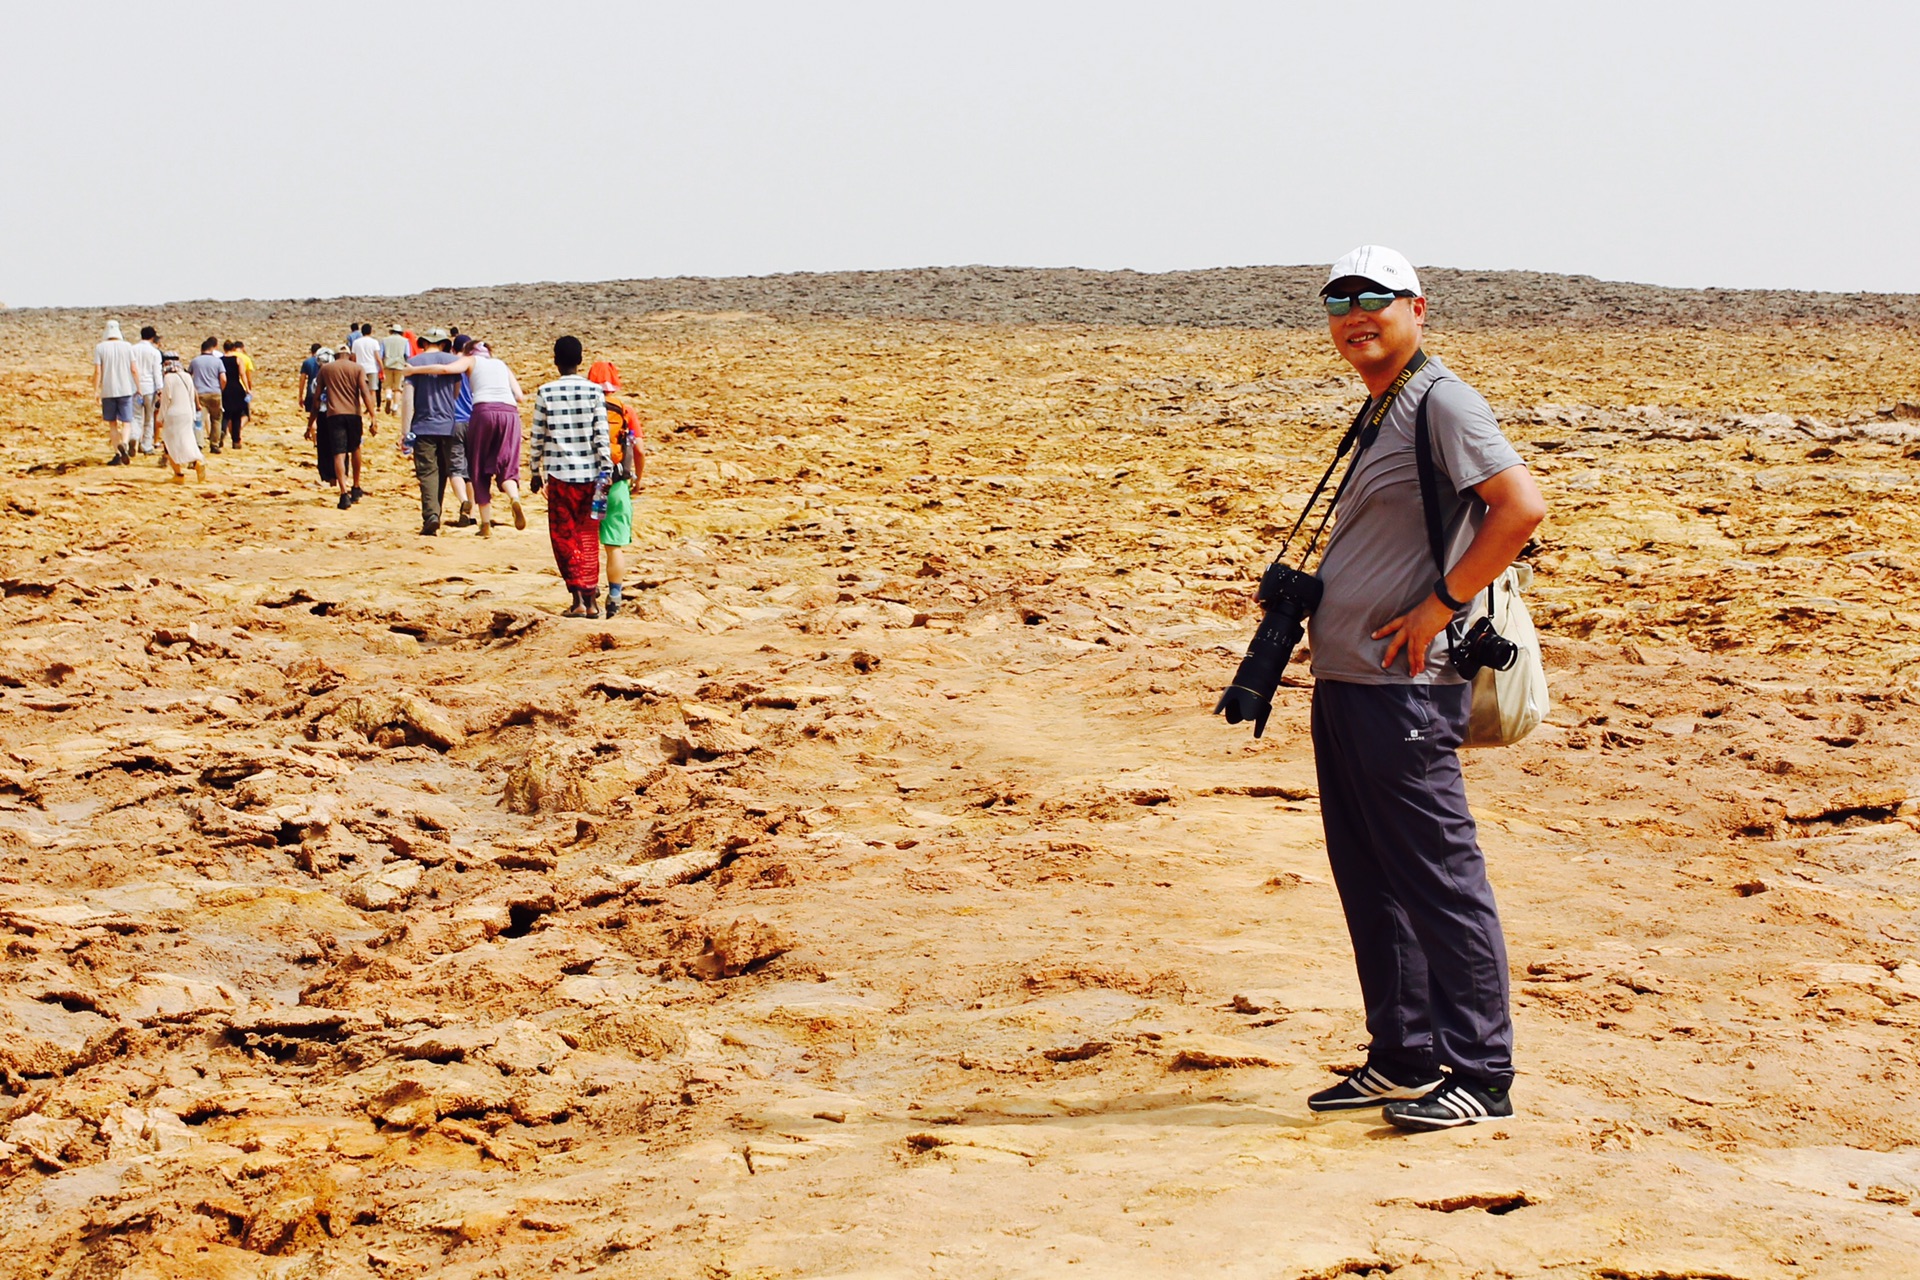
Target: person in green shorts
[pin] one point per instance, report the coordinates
(629, 460)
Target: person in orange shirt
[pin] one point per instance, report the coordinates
(625, 433)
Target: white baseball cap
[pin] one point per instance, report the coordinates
(1386, 267)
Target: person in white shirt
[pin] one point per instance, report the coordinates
(367, 353)
(115, 384)
(146, 398)
(393, 384)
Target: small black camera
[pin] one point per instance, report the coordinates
(1482, 648)
(1287, 595)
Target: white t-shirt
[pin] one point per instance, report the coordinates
(367, 351)
(114, 359)
(491, 380)
(146, 367)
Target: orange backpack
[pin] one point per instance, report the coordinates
(623, 434)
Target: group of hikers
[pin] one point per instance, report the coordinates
(458, 407)
(153, 402)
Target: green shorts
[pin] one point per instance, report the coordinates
(616, 527)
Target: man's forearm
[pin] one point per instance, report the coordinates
(1502, 536)
(1514, 511)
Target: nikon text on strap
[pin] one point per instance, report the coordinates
(1365, 429)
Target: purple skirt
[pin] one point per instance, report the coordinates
(493, 447)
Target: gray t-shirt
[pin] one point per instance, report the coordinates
(206, 369)
(1377, 563)
(435, 396)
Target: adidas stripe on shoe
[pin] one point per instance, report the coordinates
(1367, 1088)
(1453, 1104)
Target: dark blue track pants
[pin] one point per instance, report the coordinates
(1412, 879)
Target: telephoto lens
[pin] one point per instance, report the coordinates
(1288, 596)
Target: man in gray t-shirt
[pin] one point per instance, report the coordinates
(1389, 713)
(1379, 563)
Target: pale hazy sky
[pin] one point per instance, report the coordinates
(164, 152)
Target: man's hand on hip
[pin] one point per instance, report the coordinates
(1415, 630)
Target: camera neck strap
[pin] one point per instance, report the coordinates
(1365, 429)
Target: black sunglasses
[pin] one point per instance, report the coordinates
(1339, 306)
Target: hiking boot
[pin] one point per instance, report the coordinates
(431, 529)
(357, 493)
(1370, 1088)
(346, 500)
(1458, 1101)
(613, 600)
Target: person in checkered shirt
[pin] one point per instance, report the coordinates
(570, 454)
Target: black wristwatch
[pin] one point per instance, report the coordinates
(1440, 590)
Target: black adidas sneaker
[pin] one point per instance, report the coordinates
(1367, 1088)
(1453, 1104)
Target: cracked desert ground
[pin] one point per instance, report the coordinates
(879, 898)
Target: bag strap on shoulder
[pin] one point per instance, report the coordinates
(1429, 485)
(1430, 490)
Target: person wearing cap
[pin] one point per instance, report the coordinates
(490, 427)
(115, 383)
(429, 434)
(394, 353)
(458, 477)
(1389, 712)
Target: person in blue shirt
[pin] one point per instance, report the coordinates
(462, 415)
(435, 437)
(310, 388)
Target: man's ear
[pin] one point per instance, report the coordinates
(1419, 310)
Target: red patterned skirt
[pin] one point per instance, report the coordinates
(575, 533)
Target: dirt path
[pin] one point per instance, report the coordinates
(879, 898)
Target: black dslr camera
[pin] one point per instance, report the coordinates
(1287, 595)
(1482, 648)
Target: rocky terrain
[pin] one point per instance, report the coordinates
(878, 898)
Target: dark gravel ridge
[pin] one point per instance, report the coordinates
(1221, 297)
